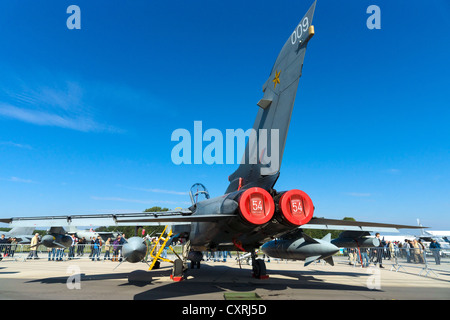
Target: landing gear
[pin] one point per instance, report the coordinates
(177, 270)
(195, 264)
(180, 265)
(258, 268)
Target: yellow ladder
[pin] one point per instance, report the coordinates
(161, 248)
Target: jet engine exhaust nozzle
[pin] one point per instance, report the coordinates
(256, 206)
(297, 207)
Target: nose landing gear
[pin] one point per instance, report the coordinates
(258, 267)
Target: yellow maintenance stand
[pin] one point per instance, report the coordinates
(165, 237)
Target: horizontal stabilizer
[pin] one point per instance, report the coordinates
(264, 103)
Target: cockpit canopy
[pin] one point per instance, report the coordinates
(198, 192)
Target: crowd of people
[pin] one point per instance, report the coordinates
(96, 246)
(7, 246)
(411, 250)
(112, 249)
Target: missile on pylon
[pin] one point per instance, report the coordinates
(299, 246)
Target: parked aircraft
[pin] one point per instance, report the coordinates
(428, 236)
(56, 237)
(22, 234)
(251, 212)
(90, 234)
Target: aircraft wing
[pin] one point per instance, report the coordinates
(334, 224)
(122, 219)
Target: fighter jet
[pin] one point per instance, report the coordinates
(251, 212)
(22, 234)
(91, 234)
(56, 237)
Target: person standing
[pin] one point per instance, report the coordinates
(122, 241)
(416, 251)
(408, 250)
(116, 247)
(107, 249)
(96, 249)
(33, 247)
(435, 248)
(380, 250)
(3, 245)
(13, 246)
(72, 247)
(364, 257)
(421, 252)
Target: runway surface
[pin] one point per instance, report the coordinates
(42, 279)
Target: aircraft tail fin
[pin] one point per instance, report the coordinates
(72, 229)
(16, 231)
(261, 161)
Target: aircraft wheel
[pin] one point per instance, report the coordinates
(157, 265)
(198, 264)
(177, 270)
(259, 268)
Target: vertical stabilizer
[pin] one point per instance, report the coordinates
(18, 231)
(261, 161)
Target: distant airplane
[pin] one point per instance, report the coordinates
(251, 212)
(56, 237)
(22, 234)
(90, 234)
(428, 236)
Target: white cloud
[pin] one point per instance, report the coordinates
(16, 179)
(61, 103)
(17, 145)
(48, 119)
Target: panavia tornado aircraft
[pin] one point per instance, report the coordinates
(251, 212)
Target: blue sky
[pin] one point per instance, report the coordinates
(86, 115)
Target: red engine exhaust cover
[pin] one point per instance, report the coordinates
(297, 207)
(256, 205)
